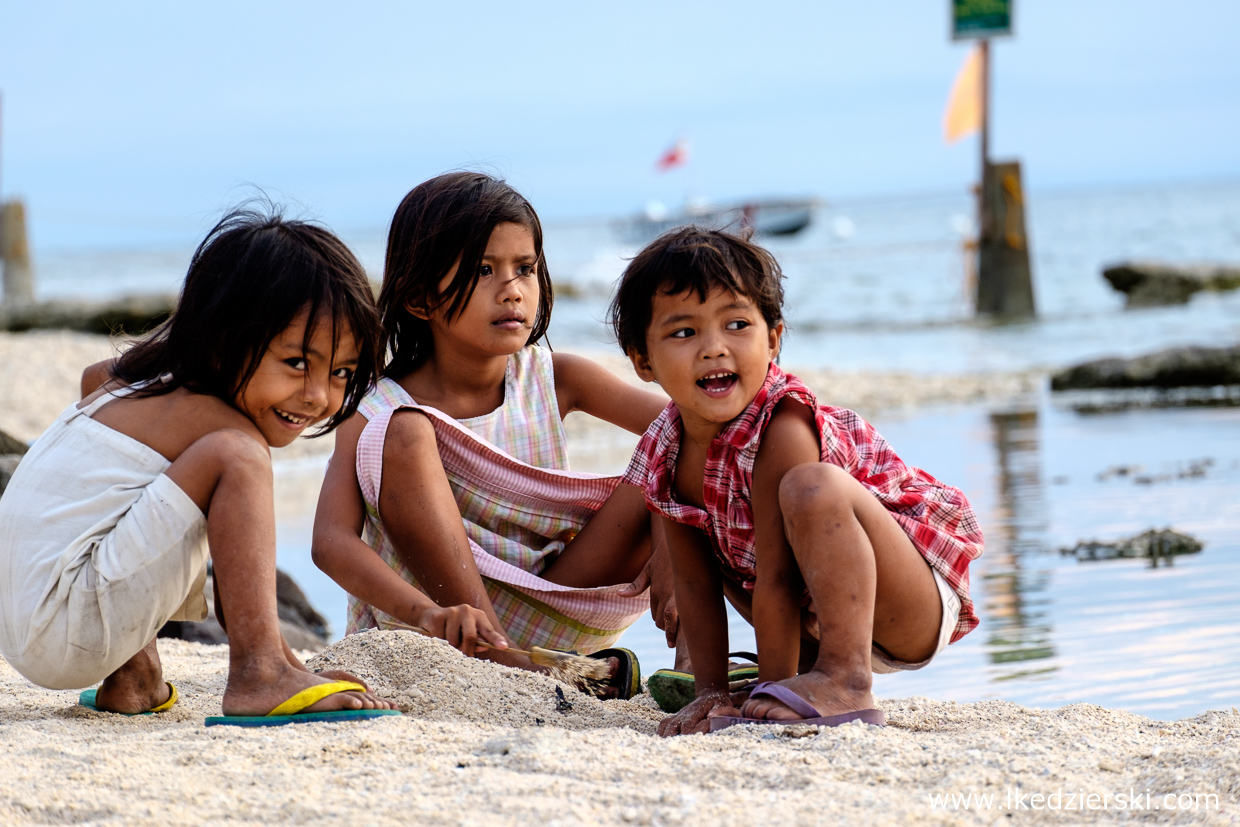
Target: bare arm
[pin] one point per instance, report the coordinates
(338, 549)
(586, 386)
(790, 440)
(704, 621)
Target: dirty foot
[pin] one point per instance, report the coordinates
(829, 697)
(136, 687)
(255, 691)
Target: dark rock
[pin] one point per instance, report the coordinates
(12, 445)
(130, 315)
(1149, 284)
(8, 464)
(1152, 545)
(302, 626)
(1172, 368)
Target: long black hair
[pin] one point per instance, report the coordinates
(249, 278)
(444, 223)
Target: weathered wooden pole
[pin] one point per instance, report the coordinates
(1004, 277)
(15, 254)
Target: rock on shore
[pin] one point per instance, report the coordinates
(1148, 284)
(1172, 368)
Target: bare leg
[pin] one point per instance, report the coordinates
(868, 584)
(135, 687)
(613, 547)
(228, 475)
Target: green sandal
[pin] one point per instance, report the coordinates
(673, 690)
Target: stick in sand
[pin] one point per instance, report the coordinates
(577, 670)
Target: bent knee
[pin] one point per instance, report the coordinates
(814, 490)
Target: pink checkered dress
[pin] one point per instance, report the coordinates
(937, 517)
(520, 505)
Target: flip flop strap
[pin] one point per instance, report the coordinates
(168, 704)
(311, 696)
(786, 697)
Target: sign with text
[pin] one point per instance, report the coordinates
(973, 19)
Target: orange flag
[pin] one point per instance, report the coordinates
(963, 115)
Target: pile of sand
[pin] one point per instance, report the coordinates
(429, 679)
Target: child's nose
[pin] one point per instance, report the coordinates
(713, 345)
(315, 390)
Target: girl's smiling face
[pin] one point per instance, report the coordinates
(710, 357)
(297, 385)
(500, 314)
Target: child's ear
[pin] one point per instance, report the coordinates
(777, 336)
(417, 311)
(641, 365)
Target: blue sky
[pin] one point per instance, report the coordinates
(137, 125)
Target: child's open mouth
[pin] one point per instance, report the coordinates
(296, 421)
(720, 383)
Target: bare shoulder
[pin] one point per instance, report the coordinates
(94, 377)
(790, 438)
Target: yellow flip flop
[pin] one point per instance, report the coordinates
(88, 700)
(290, 712)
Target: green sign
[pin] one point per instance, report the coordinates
(981, 18)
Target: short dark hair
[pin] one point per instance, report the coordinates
(247, 281)
(441, 222)
(697, 259)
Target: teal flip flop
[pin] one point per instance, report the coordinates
(290, 712)
(89, 696)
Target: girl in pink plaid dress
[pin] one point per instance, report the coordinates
(455, 467)
(845, 560)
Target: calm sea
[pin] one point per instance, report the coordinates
(882, 285)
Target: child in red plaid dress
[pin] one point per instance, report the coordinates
(845, 560)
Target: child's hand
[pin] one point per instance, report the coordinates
(464, 627)
(696, 716)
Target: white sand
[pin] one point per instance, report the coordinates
(481, 744)
(470, 750)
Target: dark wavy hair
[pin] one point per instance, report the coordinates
(697, 259)
(442, 224)
(249, 278)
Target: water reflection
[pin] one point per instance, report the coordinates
(1016, 609)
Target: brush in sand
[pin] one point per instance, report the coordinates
(576, 670)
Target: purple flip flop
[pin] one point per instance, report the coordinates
(797, 704)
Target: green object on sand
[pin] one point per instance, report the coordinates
(673, 690)
(88, 698)
(290, 712)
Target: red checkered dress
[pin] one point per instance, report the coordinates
(937, 517)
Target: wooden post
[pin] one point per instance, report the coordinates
(1004, 277)
(15, 254)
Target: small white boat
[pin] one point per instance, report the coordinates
(783, 216)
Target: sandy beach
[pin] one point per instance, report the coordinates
(482, 744)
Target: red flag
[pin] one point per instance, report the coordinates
(676, 154)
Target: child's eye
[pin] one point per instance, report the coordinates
(484, 270)
(682, 333)
(738, 324)
(343, 373)
(297, 363)
(525, 270)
